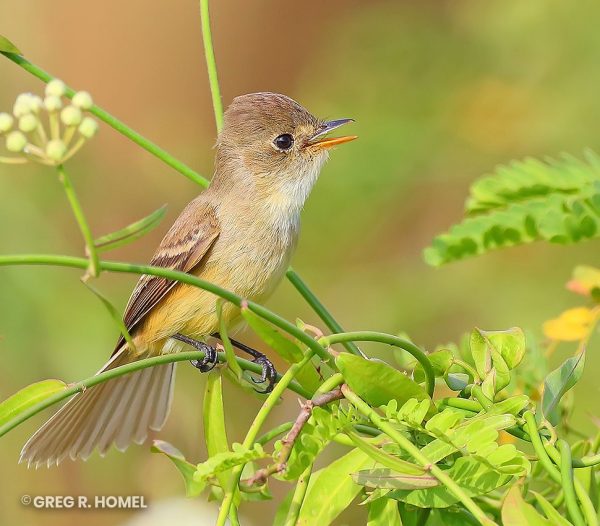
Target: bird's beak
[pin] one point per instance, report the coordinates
(318, 140)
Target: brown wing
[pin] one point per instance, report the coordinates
(183, 248)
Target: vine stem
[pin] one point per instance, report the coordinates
(298, 497)
(566, 470)
(127, 369)
(182, 277)
(415, 452)
(372, 336)
(544, 453)
(67, 184)
(211, 65)
(320, 309)
(254, 429)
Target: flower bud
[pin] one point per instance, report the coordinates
(28, 123)
(6, 122)
(88, 127)
(56, 150)
(71, 116)
(36, 103)
(52, 103)
(16, 141)
(22, 105)
(83, 100)
(55, 88)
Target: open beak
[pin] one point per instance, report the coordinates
(319, 140)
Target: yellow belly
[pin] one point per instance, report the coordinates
(193, 311)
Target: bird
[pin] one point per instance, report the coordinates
(240, 234)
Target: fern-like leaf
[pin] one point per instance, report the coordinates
(556, 201)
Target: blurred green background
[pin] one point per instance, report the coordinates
(442, 91)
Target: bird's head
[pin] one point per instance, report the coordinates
(271, 143)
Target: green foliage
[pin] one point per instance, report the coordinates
(558, 382)
(131, 232)
(556, 201)
(224, 461)
(187, 469)
(331, 490)
(6, 46)
(28, 397)
(378, 382)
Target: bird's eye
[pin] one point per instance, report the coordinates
(284, 142)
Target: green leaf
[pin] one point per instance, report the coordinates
(558, 382)
(494, 354)
(131, 232)
(478, 435)
(115, 315)
(557, 201)
(308, 377)
(331, 489)
(554, 516)
(378, 455)
(226, 460)
(187, 470)
(384, 512)
(473, 475)
(377, 382)
(232, 363)
(516, 512)
(213, 415)
(512, 406)
(6, 46)
(28, 397)
(384, 478)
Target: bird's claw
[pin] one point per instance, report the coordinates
(209, 361)
(269, 374)
(211, 358)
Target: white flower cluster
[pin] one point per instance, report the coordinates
(45, 130)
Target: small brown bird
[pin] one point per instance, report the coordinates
(239, 234)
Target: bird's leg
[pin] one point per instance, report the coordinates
(269, 373)
(210, 353)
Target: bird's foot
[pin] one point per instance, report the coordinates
(210, 359)
(268, 374)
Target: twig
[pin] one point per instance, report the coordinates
(287, 444)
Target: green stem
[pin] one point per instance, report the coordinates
(568, 486)
(320, 309)
(298, 497)
(544, 452)
(371, 336)
(116, 124)
(252, 433)
(331, 383)
(274, 433)
(538, 446)
(586, 462)
(129, 368)
(485, 402)
(589, 512)
(182, 277)
(415, 452)
(211, 65)
(81, 220)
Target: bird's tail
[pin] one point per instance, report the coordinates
(118, 411)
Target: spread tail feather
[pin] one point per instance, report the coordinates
(118, 411)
